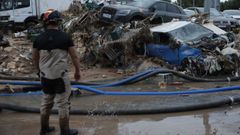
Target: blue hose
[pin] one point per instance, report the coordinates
(121, 82)
(19, 83)
(211, 90)
(142, 76)
(21, 94)
(124, 81)
(185, 92)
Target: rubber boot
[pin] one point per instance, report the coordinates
(45, 128)
(64, 127)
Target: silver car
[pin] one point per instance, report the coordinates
(233, 14)
(218, 18)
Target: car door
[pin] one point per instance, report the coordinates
(22, 10)
(173, 12)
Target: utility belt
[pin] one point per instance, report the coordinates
(53, 86)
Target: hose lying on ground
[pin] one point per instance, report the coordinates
(210, 104)
(186, 77)
(117, 83)
(216, 103)
(72, 82)
(114, 93)
(211, 90)
(142, 76)
(134, 79)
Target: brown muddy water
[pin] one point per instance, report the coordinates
(217, 121)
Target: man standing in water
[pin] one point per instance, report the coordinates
(50, 57)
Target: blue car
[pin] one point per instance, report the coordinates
(172, 56)
(183, 32)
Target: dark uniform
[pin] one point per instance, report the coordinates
(50, 56)
(53, 64)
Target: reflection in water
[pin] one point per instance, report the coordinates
(185, 125)
(199, 122)
(221, 121)
(206, 124)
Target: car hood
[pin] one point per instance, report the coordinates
(170, 26)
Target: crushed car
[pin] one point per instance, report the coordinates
(181, 45)
(193, 47)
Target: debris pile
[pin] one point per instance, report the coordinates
(16, 58)
(126, 46)
(123, 45)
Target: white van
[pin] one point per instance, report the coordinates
(27, 12)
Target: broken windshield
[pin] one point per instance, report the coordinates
(190, 32)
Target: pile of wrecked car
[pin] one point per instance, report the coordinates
(191, 47)
(196, 48)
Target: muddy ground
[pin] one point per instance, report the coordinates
(221, 121)
(217, 121)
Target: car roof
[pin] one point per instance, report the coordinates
(194, 7)
(189, 11)
(231, 10)
(170, 26)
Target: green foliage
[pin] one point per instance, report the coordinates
(230, 4)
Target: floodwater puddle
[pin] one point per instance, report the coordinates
(217, 121)
(220, 121)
